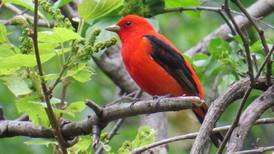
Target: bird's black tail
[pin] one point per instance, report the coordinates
(200, 113)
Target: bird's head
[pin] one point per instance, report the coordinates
(131, 26)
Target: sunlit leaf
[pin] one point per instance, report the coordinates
(34, 109)
(57, 36)
(21, 60)
(94, 9)
(16, 85)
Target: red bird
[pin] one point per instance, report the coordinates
(156, 65)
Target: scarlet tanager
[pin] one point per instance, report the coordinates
(156, 65)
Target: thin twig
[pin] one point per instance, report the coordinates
(49, 110)
(256, 151)
(262, 38)
(255, 62)
(114, 130)
(235, 122)
(118, 123)
(244, 39)
(95, 107)
(192, 136)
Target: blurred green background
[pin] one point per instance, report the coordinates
(184, 31)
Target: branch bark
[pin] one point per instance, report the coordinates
(234, 92)
(110, 113)
(192, 136)
(248, 118)
(258, 10)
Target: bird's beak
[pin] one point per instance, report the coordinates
(113, 28)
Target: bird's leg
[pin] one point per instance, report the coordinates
(136, 98)
(159, 98)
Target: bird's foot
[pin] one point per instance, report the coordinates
(159, 98)
(133, 102)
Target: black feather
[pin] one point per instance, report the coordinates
(174, 63)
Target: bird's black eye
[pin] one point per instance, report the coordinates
(128, 23)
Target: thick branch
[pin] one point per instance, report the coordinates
(113, 112)
(258, 10)
(192, 136)
(248, 118)
(234, 92)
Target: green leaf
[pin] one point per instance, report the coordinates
(35, 109)
(24, 3)
(83, 145)
(17, 61)
(76, 107)
(46, 142)
(145, 136)
(181, 3)
(3, 34)
(200, 59)
(57, 36)
(6, 50)
(126, 148)
(94, 9)
(81, 73)
(184, 3)
(219, 48)
(61, 3)
(16, 85)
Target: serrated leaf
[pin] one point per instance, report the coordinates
(35, 110)
(94, 9)
(57, 36)
(45, 142)
(81, 73)
(16, 85)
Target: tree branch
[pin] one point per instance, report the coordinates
(248, 118)
(234, 92)
(9, 128)
(256, 151)
(192, 136)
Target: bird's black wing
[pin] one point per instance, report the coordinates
(174, 63)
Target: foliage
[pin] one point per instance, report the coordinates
(65, 49)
